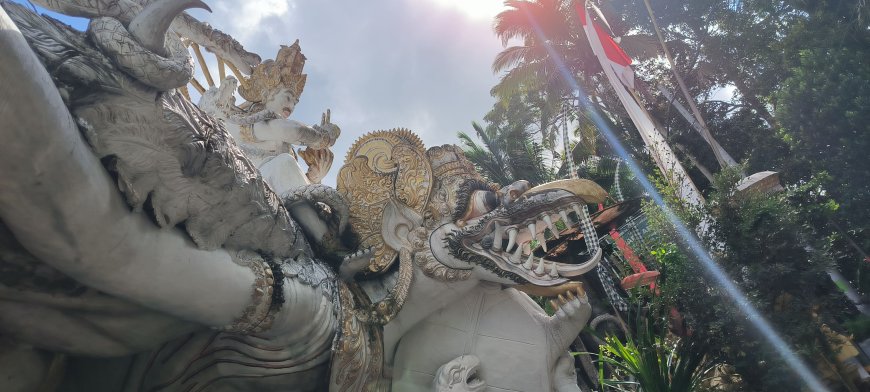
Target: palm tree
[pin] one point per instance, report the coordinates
(506, 154)
(533, 68)
(550, 36)
(552, 49)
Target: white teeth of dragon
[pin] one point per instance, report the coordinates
(512, 238)
(529, 262)
(540, 269)
(553, 272)
(542, 241)
(533, 230)
(550, 225)
(498, 233)
(576, 208)
(564, 215)
(517, 256)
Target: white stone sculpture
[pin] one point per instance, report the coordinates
(459, 375)
(142, 249)
(264, 130)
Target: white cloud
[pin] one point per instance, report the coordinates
(377, 64)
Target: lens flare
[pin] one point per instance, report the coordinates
(713, 269)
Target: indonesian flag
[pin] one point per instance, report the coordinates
(617, 68)
(614, 55)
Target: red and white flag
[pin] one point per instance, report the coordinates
(616, 58)
(617, 68)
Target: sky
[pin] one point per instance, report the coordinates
(424, 65)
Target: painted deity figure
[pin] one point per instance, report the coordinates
(165, 263)
(262, 126)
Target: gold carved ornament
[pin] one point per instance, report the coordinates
(358, 361)
(270, 76)
(380, 166)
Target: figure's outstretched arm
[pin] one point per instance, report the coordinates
(294, 132)
(61, 205)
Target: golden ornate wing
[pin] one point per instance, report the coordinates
(380, 166)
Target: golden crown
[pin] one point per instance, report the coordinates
(449, 161)
(271, 75)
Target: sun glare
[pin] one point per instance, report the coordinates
(474, 9)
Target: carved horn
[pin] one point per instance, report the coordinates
(149, 26)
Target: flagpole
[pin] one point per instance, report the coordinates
(661, 152)
(705, 131)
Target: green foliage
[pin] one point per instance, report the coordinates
(859, 327)
(506, 155)
(799, 80)
(757, 241)
(649, 362)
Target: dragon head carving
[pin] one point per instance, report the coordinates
(454, 223)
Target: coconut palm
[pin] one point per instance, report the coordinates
(506, 154)
(552, 48)
(532, 67)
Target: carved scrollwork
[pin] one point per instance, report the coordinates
(380, 166)
(257, 316)
(386, 309)
(358, 359)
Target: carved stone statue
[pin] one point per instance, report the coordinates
(264, 131)
(142, 249)
(459, 375)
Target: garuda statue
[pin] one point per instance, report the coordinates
(141, 249)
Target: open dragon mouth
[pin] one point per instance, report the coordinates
(473, 379)
(512, 240)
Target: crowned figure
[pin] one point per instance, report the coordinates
(262, 126)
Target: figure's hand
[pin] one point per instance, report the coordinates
(572, 314)
(329, 130)
(218, 101)
(319, 162)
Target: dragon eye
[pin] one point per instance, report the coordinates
(480, 203)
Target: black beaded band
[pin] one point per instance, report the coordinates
(277, 286)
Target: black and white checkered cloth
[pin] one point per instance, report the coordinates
(604, 272)
(589, 234)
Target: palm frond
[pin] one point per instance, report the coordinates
(510, 57)
(522, 78)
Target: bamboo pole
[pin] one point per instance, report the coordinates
(195, 83)
(222, 71)
(705, 130)
(202, 64)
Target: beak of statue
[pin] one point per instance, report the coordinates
(587, 190)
